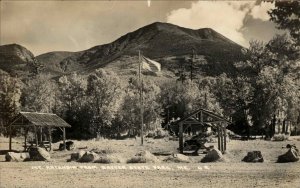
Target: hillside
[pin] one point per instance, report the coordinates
(51, 61)
(17, 60)
(168, 44)
(160, 41)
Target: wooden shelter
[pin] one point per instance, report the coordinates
(39, 122)
(202, 118)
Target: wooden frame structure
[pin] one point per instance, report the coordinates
(37, 122)
(200, 118)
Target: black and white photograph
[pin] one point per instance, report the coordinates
(149, 93)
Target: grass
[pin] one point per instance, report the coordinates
(126, 150)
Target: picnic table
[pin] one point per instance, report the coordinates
(30, 144)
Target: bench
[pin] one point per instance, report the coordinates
(44, 144)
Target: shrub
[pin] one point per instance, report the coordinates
(280, 137)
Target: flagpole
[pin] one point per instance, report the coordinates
(141, 97)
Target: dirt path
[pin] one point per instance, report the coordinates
(230, 173)
(145, 175)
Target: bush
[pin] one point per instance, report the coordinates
(280, 137)
(150, 135)
(160, 133)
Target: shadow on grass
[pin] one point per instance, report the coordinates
(4, 152)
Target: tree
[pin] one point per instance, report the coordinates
(73, 105)
(39, 94)
(234, 94)
(105, 96)
(130, 111)
(181, 99)
(10, 93)
(287, 16)
(72, 91)
(269, 67)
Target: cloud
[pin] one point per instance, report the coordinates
(76, 25)
(225, 17)
(260, 11)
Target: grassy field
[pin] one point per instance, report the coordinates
(229, 173)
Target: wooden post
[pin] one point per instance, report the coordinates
(219, 144)
(287, 126)
(36, 136)
(201, 117)
(64, 138)
(50, 138)
(25, 136)
(283, 127)
(225, 135)
(181, 137)
(41, 135)
(10, 137)
(222, 140)
(141, 98)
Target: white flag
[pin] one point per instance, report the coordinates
(150, 65)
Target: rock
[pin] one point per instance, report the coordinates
(143, 157)
(253, 157)
(89, 157)
(150, 135)
(290, 156)
(212, 156)
(77, 155)
(61, 146)
(107, 159)
(69, 146)
(16, 157)
(39, 154)
(178, 158)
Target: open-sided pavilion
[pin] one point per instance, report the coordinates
(202, 117)
(37, 123)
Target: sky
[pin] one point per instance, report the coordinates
(44, 26)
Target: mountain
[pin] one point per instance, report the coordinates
(18, 61)
(166, 43)
(160, 41)
(51, 61)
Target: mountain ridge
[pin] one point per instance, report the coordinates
(157, 41)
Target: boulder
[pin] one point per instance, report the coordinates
(253, 157)
(178, 158)
(143, 157)
(107, 159)
(69, 145)
(89, 157)
(77, 155)
(212, 156)
(291, 155)
(39, 154)
(16, 157)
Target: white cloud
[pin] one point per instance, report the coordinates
(260, 11)
(225, 17)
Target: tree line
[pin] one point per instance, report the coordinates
(263, 92)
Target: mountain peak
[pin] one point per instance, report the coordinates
(17, 60)
(171, 29)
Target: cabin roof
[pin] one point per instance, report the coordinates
(39, 119)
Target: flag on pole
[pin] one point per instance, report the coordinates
(150, 65)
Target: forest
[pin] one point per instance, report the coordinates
(263, 92)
